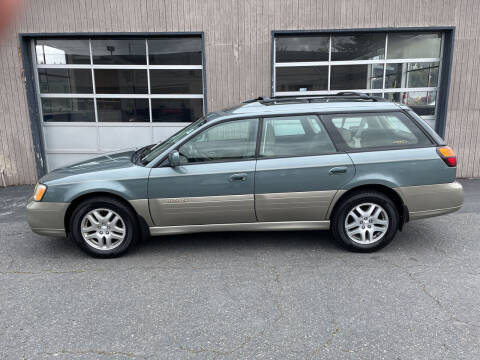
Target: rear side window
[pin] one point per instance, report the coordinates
(294, 136)
(377, 130)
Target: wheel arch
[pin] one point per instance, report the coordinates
(90, 195)
(386, 190)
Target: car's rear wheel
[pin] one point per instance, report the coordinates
(365, 221)
(104, 227)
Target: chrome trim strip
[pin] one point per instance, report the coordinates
(258, 226)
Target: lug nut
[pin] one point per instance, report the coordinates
(363, 227)
(369, 226)
(361, 221)
(101, 232)
(106, 232)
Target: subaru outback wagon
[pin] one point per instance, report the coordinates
(351, 163)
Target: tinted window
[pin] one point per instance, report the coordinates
(413, 45)
(234, 140)
(60, 52)
(113, 81)
(302, 78)
(358, 47)
(123, 110)
(119, 51)
(65, 81)
(390, 130)
(69, 110)
(294, 136)
(348, 77)
(176, 110)
(301, 48)
(175, 51)
(176, 81)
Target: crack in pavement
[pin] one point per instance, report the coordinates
(423, 287)
(247, 339)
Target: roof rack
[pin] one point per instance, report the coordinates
(344, 95)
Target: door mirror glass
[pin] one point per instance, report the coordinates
(174, 158)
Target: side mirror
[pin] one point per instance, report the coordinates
(174, 158)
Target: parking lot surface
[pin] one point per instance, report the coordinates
(265, 295)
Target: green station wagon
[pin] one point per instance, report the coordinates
(351, 163)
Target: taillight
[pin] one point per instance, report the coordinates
(447, 155)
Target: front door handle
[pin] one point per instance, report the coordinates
(238, 177)
(338, 170)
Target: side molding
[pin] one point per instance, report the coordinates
(258, 226)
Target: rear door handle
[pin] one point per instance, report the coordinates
(338, 170)
(238, 177)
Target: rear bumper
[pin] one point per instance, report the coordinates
(431, 200)
(47, 218)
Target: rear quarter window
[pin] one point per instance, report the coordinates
(376, 130)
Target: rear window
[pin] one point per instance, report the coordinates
(377, 130)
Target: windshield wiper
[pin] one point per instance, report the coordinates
(138, 154)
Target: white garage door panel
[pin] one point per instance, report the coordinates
(160, 133)
(70, 143)
(121, 137)
(80, 138)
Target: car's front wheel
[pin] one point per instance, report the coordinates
(104, 227)
(365, 221)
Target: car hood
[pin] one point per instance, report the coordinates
(100, 164)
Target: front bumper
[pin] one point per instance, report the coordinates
(47, 218)
(432, 200)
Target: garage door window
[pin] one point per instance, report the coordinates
(399, 66)
(120, 80)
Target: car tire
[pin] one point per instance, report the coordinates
(365, 221)
(104, 227)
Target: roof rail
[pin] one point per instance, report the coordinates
(343, 95)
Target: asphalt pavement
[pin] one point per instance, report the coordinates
(265, 295)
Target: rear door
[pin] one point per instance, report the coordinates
(386, 147)
(299, 170)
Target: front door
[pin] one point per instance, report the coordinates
(214, 183)
(298, 170)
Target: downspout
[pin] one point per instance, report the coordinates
(2, 175)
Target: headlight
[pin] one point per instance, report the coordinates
(39, 191)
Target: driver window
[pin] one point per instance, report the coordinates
(233, 140)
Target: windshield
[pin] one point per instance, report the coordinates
(157, 149)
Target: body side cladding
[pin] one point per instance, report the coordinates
(257, 226)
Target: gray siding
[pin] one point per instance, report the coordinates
(238, 51)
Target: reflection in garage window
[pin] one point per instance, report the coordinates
(401, 66)
(159, 79)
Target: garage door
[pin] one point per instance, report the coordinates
(102, 94)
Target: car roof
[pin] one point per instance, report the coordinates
(261, 108)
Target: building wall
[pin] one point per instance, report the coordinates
(238, 53)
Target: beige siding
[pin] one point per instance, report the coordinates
(238, 51)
